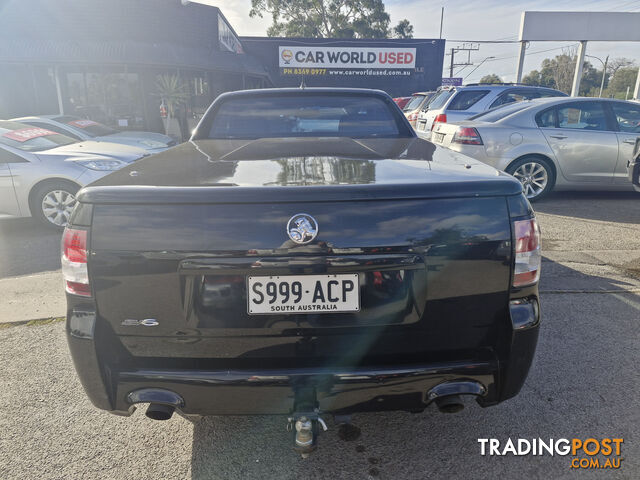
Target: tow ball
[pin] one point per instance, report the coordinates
(305, 429)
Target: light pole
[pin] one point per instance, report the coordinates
(604, 71)
(488, 58)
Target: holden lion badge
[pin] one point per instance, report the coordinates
(302, 228)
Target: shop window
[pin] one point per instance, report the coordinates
(44, 82)
(252, 82)
(16, 91)
(111, 96)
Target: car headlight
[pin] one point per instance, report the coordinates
(103, 165)
(152, 144)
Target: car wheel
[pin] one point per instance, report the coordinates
(53, 202)
(535, 174)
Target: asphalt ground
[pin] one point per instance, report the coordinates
(584, 384)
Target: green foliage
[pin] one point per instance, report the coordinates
(491, 78)
(558, 73)
(403, 29)
(625, 77)
(329, 18)
(171, 90)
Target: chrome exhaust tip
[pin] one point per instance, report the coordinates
(157, 411)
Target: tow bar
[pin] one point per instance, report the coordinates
(303, 423)
(305, 431)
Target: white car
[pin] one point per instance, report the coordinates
(453, 104)
(41, 171)
(84, 129)
(562, 143)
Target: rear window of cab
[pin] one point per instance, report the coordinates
(465, 99)
(306, 116)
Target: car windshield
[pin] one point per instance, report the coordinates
(273, 116)
(84, 125)
(440, 99)
(31, 139)
(498, 113)
(414, 103)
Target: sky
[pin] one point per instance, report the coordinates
(469, 20)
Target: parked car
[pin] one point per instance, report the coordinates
(634, 167)
(401, 101)
(453, 104)
(304, 254)
(85, 129)
(41, 171)
(562, 143)
(418, 101)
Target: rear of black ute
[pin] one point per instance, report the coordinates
(222, 368)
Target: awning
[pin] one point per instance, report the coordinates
(32, 51)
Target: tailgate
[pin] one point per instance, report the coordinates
(432, 274)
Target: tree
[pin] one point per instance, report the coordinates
(328, 18)
(539, 79)
(625, 77)
(491, 78)
(558, 73)
(616, 64)
(403, 29)
(561, 69)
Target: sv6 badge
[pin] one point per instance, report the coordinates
(147, 322)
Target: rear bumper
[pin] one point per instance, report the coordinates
(338, 391)
(117, 386)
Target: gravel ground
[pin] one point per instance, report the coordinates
(584, 383)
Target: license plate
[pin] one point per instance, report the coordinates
(438, 137)
(422, 126)
(295, 294)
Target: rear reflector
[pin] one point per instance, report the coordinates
(528, 256)
(440, 118)
(467, 136)
(74, 262)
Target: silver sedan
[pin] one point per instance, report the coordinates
(562, 143)
(84, 129)
(41, 171)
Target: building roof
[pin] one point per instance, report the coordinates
(133, 32)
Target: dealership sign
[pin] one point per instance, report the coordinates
(226, 38)
(451, 81)
(346, 57)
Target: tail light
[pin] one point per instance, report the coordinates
(528, 256)
(74, 262)
(413, 117)
(440, 118)
(467, 136)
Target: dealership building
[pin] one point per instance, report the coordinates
(103, 59)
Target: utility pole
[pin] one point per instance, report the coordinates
(523, 50)
(604, 75)
(464, 48)
(604, 71)
(453, 52)
(441, 20)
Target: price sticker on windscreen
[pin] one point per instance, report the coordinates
(24, 134)
(84, 123)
